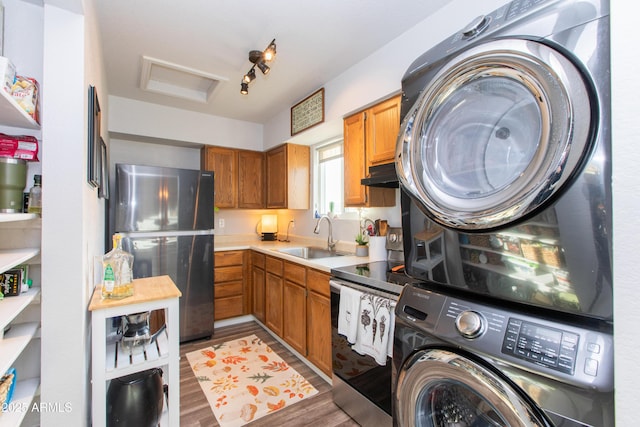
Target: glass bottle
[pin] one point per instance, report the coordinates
(117, 276)
(35, 196)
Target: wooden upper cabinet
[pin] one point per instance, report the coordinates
(370, 139)
(288, 177)
(250, 179)
(223, 162)
(354, 160)
(383, 125)
(238, 176)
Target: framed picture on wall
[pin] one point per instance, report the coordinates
(93, 142)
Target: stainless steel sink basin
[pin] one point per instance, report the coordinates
(310, 252)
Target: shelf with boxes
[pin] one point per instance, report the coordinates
(19, 326)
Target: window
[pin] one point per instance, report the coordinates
(329, 186)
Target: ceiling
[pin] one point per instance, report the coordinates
(316, 41)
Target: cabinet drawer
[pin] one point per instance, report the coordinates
(295, 273)
(226, 258)
(224, 274)
(228, 289)
(257, 259)
(228, 307)
(318, 282)
(274, 266)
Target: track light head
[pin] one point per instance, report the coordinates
(263, 67)
(270, 51)
(250, 76)
(244, 88)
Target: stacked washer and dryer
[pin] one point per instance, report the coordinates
(504, 160)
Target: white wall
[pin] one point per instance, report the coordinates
(149, 120)
(626, 206)
(73, 216)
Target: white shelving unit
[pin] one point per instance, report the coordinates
(151, 293)
(16, 335)
(12, 115)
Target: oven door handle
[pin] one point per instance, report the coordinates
(336, 285)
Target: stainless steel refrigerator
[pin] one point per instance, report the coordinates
(166, 218)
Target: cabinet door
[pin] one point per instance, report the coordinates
(277, 178)
(295, 318)
(298, 176)
(251, 179)
(273, 294)
(354, 160)
(319, 331)
(223, 162)
(258, 285)
(383, 125)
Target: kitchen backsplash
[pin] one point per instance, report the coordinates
(244, 223)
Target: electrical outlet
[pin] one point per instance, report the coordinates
(221, 223)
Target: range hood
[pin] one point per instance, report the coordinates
(382, 176)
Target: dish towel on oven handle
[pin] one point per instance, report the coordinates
(392, 327)
(348, 313)
(374, 324)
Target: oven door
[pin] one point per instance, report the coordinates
(361, 387)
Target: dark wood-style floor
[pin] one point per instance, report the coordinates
(318, 410)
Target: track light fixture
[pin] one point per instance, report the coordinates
(259, 59)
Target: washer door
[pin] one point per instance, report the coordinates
(440, 388)
(499, 130)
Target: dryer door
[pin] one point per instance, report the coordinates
(437, 387)
(497, 132)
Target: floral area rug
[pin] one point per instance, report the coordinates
(245, 379)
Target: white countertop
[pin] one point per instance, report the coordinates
(231, 243)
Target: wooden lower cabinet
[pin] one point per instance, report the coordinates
(294, 302)
(229, 284)
(319, 320)
(273, 294)
(295, 306)
(258, 280)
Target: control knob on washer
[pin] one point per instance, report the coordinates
(476, 26)
(470, 324)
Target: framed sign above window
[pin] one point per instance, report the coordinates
(308, 113)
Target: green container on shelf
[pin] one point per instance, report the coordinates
(13, 179)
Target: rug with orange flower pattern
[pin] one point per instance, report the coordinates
(245, 379)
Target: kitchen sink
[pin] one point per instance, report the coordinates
(310, 252)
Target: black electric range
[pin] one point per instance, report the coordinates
(382, 275)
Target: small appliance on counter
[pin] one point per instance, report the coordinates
(136, 335)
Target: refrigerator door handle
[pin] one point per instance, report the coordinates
(174, 233)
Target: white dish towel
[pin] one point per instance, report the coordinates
(392, 327)
(374, 325)
(348, 312)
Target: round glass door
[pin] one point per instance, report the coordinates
(497, 132)
(439, 388)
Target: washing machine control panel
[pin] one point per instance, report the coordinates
(563, 351)
(550, 347)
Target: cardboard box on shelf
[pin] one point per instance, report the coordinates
(7, 74)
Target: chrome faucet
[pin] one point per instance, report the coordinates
(331, 245)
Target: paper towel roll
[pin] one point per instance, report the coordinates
(377, 249)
